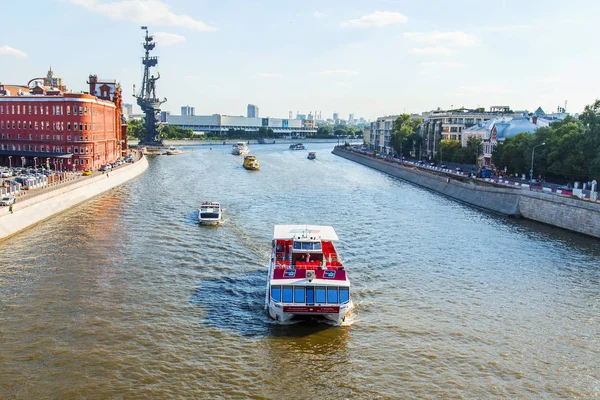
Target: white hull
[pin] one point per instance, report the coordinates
(276, 312)
(209, 221)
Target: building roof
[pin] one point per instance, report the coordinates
(539, 112)
(515, 126)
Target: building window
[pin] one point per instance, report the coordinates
(68, 125)
(19, 124)
(81, 125)
(86, 127)
(76, 150)
(68, 110)
(35, 110)
(80, 110)
(85, 110)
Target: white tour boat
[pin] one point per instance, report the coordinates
(240, 149)
(306, 276)
(297, 146)
(210, 213)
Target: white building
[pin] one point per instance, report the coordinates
(221, 124)
(380, 133)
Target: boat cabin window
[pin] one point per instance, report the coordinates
(320, 295)
(209, 215)
(307, 246)
(344, 295)
(332, 295)
(288, 294)
(276, 293)
(299, 294)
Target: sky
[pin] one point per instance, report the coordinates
(371, 58)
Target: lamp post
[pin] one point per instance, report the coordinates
(22, 162)
(34, 162)
(10, 162)
(532, 156)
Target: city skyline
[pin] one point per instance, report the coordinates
(380, 58)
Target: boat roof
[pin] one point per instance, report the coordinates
(320, 232)
(210, 204)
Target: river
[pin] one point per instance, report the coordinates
(125, 296)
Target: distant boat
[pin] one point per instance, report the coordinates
(297, 146)
(173, 151)
(251, 163)
(240, 149)
(263, 141)
(312, 155)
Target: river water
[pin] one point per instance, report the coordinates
(126, 296)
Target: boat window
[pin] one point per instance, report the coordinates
(307, 246)
(318, 246)
(276, 293)
(209, 215)
(288, 294)
(320, 295)
(310, 295)
(299, 294)
(344, 295)
(332, 295)
(297, 245)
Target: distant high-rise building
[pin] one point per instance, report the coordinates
(164, 116)
(351, 118)
(252, 111)
(127, 109)
(336, 116)
(188, 111)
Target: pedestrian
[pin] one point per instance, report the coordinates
(10, 208)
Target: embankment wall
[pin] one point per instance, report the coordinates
(31, 211)
(564, 212)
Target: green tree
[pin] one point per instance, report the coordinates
(135, 128)
(404, 128)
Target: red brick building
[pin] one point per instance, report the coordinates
(43, 124)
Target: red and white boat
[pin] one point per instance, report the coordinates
(306, 276)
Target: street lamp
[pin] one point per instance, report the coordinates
(34, 162)
(532, 155)
(10, 162)
(22, 162)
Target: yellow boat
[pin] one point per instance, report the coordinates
(251, 163)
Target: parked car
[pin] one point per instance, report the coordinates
(458, 169)
(443, 166)
(7, 200)
(86, 172)
(106, 167)
(563, 187)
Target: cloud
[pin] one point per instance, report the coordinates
(269, 75)
(443, 64)
(146, 12)
(444, 51)
(319, 14)
(344, 72)
(376, 18)
(343, 84)
(437, 38)
(168, 39)
(9, 51)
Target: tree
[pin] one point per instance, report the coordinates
(135, 128)
(404, 128)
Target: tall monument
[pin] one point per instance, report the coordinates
(146, 98)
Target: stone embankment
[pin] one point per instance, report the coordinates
(30, 211)
(564, 212)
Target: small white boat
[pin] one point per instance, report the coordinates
(173, 151)
(240, 149)
(297, 146)
(306, 277)
(312, 155)
(210, 213)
